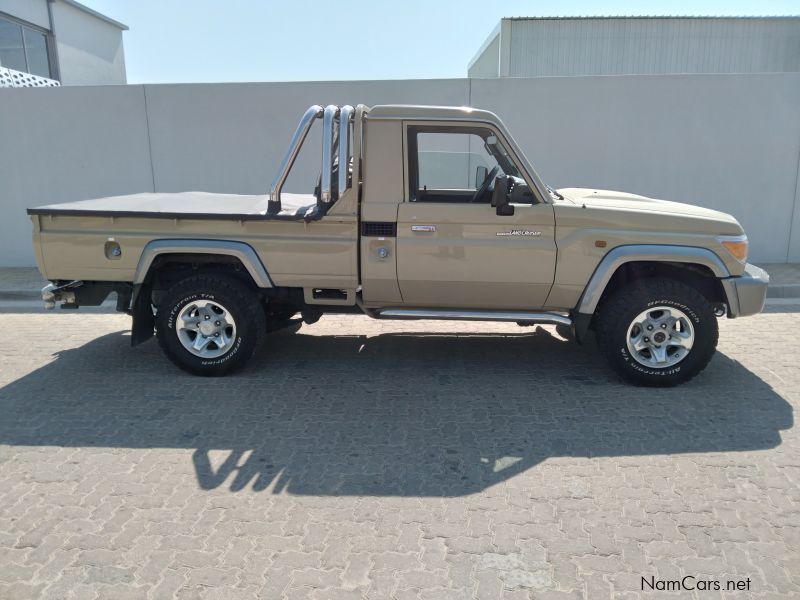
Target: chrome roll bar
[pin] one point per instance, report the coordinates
(337, 142)
(298, 138)
(345, 116)
(328, 135)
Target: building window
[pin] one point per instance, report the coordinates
(24, 48)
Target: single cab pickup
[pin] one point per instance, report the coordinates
(419, 212)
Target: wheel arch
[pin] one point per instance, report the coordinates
(206, 251)
(698, 267)
(157, 253)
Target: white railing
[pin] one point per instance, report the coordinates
(15, 79)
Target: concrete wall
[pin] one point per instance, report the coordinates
(32, 11)
(61, 144)
(730, 142)
(89, 49)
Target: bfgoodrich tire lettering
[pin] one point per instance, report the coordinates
(625, 305)
(219, 291)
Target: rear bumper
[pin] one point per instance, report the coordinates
(746, 293)
(74, 294)
(61, 293)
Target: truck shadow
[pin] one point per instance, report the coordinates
(406, 414)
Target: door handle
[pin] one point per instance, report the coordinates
(424, 228)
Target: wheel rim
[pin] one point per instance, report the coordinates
(660, 337)
(206, 329)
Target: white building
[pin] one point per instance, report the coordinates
(47, 41)
(537, 47)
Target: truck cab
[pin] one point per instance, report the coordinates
(453, 245)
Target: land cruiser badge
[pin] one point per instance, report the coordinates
(516, 232)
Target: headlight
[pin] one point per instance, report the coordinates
(736, 245)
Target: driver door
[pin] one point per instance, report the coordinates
(453, 250)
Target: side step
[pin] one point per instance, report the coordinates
(474, 315)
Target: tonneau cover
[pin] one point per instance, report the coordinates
(187, 205)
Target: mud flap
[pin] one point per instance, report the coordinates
(144, 323)
(580, 326)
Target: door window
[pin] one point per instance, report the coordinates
(449, 164)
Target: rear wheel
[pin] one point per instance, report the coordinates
(210, 324)
(657, 332)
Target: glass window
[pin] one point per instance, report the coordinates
(12, 50)
(36, 52)
(456, 163)
(23, 48)
(451, 160)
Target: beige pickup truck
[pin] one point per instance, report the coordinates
(419, 212)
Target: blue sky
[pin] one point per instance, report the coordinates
(266, 40)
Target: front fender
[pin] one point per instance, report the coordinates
(620, 255)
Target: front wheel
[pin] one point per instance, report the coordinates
(210, 324)
(657, 332)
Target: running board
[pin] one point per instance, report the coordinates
(474, 315)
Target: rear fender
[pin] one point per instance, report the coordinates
(244, 252)
(140, 303)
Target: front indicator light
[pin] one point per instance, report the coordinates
(738, 247)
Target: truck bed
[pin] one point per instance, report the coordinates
(187, 205)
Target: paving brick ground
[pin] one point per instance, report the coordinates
(364, 459)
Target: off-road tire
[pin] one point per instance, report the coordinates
(620, 310)
(243, 306)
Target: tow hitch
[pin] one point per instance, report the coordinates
(62, 292)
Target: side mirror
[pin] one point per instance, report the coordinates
(500, 198)
(480, 175)
(505, 210)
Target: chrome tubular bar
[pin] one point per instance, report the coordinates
(328, 133)
(475, 315)
(298, 138)
(345, 116)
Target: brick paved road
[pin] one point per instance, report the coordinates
(363, 459)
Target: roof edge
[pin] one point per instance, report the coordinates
(94, 13)
(486, 43)
(607, 17)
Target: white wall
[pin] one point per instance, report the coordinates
(487, 62)
(32, 11)
(89, 49)
(60, 144)
(730, 142)
(231, 137)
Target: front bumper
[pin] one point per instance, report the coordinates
(746, 294)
